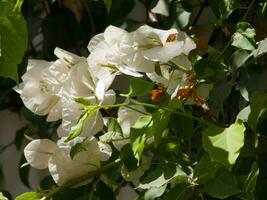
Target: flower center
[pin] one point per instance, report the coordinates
(43, 87)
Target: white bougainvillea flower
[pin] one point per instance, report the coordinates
(162, 45)
(35, 92)
(127, 117)
(62, 168)
(171, 79)
(43, 153)
(131, 53)
(38, 152)
(109, 52)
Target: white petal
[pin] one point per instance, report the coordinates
(38, 152)
(109, 98)
(100, 90)
(130, 72)
(114, 34)
(165, 53)
(105, 151)
(55, 113)
(93, 126)
(93, 44)
(62, 168)
(69, 57)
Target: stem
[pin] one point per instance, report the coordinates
(81, 179)
(198, 15)
(224, 50)
(180, 67)
(248, 10)
(179, 113)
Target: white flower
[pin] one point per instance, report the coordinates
(38, 152)
(171, 79)
(131, 53)
(62, 168)
(51, 88)
(35, 92)
(43, 153)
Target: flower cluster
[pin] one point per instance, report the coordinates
(67, 88)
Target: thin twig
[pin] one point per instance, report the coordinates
(248, 10)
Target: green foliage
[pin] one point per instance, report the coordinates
(128, 158)
(209, 70)
(177, 150)
(258, 108)
(13, 38)
(224, 185)
(28, 196)
(139, 87)
(244, 36)
(78, 128)
(206, 169)
(224, 144)
(162, 175)
(139, 133)
(114, 131)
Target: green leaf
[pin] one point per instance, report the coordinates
(262, 48)
(239, 58)
(258, 106)
(182, 126)
(127, 157)
(219, 93)
(179, 192)
(253, 79)
(13, 39)
(113, 125)
(223, 185)
(226, 7)
(244, 114)
(83, 101)
(28, 196)
(180, 16)
(139, 133)
(206, 169)
(76, 130)
(24, 171)
(250, 180)
(114, 131)
(160, 122)
(2, 197)
(243, 38)
(209, 70)
(162, 8)
(108, 4)
(139, 87)
(224, 144)
(163, 174)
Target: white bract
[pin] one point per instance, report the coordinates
(134, 52)
(51, 88)
(43, 153)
